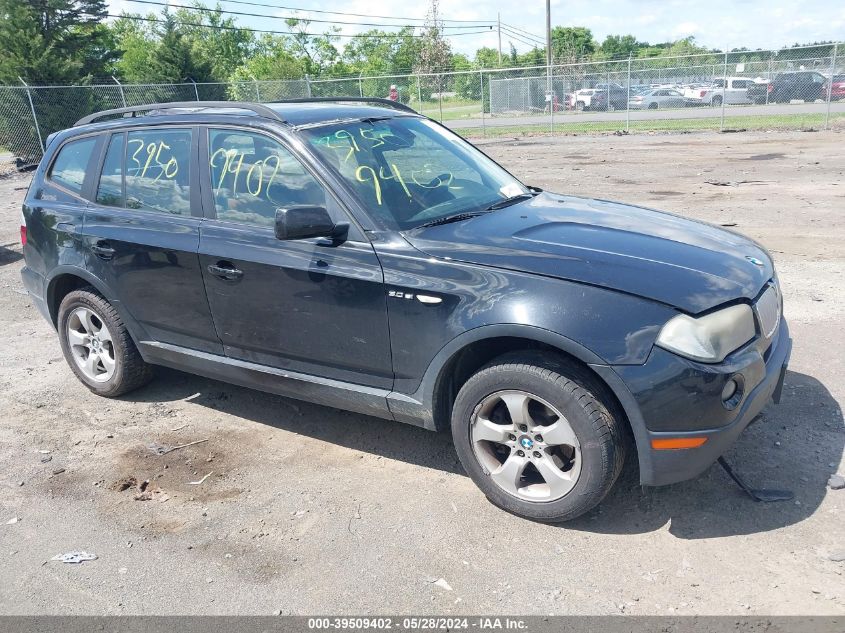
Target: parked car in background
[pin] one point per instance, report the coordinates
(693, 92)
(759, 91)
(613, 99)
(581, 99)
(660, 98)
(804, 85)
(733, 91)
(837, 87)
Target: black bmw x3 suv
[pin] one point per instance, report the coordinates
(355, 254)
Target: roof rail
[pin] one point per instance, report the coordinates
(257, 108)
(396, 105)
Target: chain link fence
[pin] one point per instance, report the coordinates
(795, 88)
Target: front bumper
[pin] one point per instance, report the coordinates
(671, 397)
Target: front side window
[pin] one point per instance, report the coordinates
(409, 171)
(69, 167)
(158, 171)
(252, 175)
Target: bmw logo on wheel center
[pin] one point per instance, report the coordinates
(527, 443)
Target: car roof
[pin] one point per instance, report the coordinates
(293, 113)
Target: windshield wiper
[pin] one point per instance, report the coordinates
(501, 204)
(448, 219)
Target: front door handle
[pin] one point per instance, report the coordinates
(225, 270)
(102, 250)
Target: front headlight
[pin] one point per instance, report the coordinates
(709, 338)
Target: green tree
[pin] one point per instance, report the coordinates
(571, 43)
(318, 53)
(173, 59)
(620, 46)
(215, 39)
(53, 41)
(136, 40)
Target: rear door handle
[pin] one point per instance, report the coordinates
(226, 271)
(102, 250)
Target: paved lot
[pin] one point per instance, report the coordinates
(314, 510)
(574, 119)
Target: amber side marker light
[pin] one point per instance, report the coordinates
(670, 443)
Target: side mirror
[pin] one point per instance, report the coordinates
(299, 223)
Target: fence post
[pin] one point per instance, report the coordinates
(257, 91)
(360, 86)
(308, 86)
(628, 98)
(196, 92)
(769, 78)
(830, 85)
(120, 87)
(34, 116)
(481, 92)
(724, 90)
(440, 95)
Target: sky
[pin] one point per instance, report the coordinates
(767, 24)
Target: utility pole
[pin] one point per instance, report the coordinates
(499, 22)
(549, 96)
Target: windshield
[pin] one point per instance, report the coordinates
(409, 171)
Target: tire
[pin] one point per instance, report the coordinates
(653, 106)
(716, 102)
(116, 366)
(579, 105)
(586, 468)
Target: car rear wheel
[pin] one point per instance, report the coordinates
(653, 106)
(538, 437)
(579, 106)
(716, 102)
(97, 345)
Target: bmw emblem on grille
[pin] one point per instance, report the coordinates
(527, 443)
(755, 261)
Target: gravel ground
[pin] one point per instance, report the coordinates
(314, 510)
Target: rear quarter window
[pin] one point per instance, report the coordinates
(71, 163)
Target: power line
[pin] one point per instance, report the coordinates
(251, 30)
(354, 15)
(524, 32)
(293, 17)
(519, 38)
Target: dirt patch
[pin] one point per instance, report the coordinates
(772, 156)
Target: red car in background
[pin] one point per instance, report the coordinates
(837, 87)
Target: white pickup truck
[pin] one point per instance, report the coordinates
(735, 93)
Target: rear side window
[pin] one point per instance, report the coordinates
(110, 187)
(69, 167)
(741, 83)
(158, 171)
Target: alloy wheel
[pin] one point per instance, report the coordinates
(91, 344)
(527, 446)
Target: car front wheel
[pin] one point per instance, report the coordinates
(97, 345)
(538, 436)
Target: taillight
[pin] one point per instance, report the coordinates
(702, 93)
(23, 230)
(770, 87)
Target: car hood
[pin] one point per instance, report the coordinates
(690, 265)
